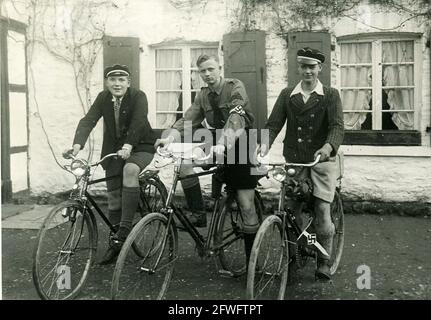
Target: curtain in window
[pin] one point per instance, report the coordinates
(168, 80)
(398, 71)
(354, 77)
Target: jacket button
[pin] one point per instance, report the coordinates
(312, 115)
(299, 128)
(299, 140)
(311, 128)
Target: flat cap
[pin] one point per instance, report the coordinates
(117, 70)
(310, 56)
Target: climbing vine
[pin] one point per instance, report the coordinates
(309, 15)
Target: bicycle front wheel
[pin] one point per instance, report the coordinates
(269, 262)
(64, 252)
(146, 276)
(153, 196)
(337, 216)
(229, 235)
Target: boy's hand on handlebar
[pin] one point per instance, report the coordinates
(76, 149)
(325, 152)
(125, 152)
(163, 142)
(218, 149)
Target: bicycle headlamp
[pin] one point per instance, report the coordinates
(291, 172)
(279, 174)
(78, 167)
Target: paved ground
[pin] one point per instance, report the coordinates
(396, 249)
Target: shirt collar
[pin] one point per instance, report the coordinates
(113, 98)
(220, 86)
(318, 89)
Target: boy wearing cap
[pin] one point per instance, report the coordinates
(128, 133)
(314, 125)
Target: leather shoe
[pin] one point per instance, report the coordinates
(113, 251)
(323, 271)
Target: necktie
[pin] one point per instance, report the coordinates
(214, 101)
(117, 104)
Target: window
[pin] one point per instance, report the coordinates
(380, 84)
(177, 80)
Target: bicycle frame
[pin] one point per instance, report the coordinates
(205, 245)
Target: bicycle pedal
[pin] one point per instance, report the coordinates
(225, 273)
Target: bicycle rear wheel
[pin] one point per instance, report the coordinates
(136, 277)
(269, 262)
(337, 215)
(64, 252)
(229, 236)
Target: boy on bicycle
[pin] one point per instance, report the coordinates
(223, 105)
(314, 125)
(127, 132)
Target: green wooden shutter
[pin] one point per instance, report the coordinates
(316, 40)
(244, 59)
(123, 50)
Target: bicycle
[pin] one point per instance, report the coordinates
(67, 241)
(282, 242)
(148, 277)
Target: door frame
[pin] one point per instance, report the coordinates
(7, 24)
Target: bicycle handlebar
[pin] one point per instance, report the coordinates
(68, 155)
(167, 154)
(310, 164)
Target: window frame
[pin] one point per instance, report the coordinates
(377, 135)
(186, 71)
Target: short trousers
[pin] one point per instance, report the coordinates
(324, 178)
(141, 159)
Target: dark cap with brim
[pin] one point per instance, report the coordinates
(310, 56)
(117, 71)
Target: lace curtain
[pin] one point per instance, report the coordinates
(399, 72)
(171, 102)
(168, 80)
(356, 79)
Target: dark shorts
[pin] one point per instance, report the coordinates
(240, 174)
(141, 159)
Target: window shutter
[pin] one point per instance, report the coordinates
(244, 59)
(123, 50)
(316, 40)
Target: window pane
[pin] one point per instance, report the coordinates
(398, 75)
(18, 119)
(169, 58)
(398, 99)
(357, 76)
(356, 53)
(18, 171)
(168, 80)
(16, 57)
(358, 100)
(165, 120)
(397, 51)
(357, 121)
(168, 101)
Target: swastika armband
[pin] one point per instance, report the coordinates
(238, 110)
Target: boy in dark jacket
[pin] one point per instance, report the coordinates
(314, 125)
(127, 132)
